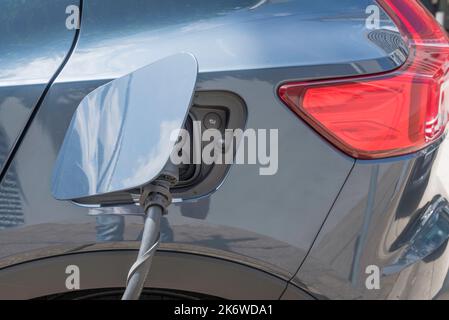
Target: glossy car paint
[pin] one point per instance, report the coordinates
(367, 226)
(30, 56)
(267, 222)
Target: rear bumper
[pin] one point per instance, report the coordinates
(375, 221)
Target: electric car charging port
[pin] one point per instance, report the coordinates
(210, 110)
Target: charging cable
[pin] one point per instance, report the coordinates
(154, 199)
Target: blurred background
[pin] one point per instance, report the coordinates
(440, 9)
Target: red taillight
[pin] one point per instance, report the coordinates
(390, 114)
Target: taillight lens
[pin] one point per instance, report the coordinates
(389, 114)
